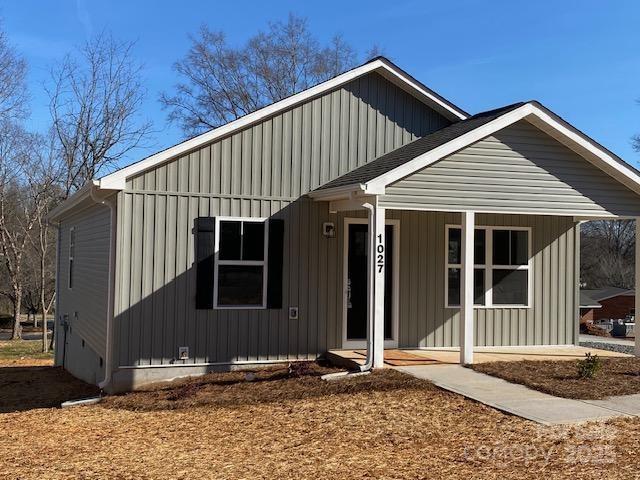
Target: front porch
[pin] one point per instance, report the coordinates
(404, 357)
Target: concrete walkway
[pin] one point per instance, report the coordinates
(522, 401)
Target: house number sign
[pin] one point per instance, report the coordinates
(380, 254)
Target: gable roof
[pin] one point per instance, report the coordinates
(600, 294)
(586, 301)
(373, 177)
(381, 65)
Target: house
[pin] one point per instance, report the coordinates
(365, 212)
(606, 304)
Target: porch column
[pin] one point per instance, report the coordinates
(378, 260)
(636, 318)
(466, 294)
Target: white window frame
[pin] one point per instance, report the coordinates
(71, 260)
(263, 263)
(489, 267)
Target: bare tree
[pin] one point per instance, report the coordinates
(44, 182)
(13, 92)
(607, 253)
(95, 103)
(18, 211)
(220, 83)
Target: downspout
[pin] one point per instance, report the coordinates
(371, 273)
(57, 322)
(368, 364)
(111, 203)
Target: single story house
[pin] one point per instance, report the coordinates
(365, 212)
(606, 303)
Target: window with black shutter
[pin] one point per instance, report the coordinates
(241, 263)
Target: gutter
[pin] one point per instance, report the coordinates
(112, 204)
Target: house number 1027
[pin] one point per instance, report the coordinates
(380, 254)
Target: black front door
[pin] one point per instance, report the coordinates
(357, 282)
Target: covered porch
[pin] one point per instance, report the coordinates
(514, 186)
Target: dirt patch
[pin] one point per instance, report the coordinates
(618, 376)
(26, 388)
(384, 425)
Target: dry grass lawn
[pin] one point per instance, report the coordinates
(618, 376)
(23, 352)
(385, 425)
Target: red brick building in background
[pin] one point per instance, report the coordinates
(606, 303)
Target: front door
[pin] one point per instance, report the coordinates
(356, 288)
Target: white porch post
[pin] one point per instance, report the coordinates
(466, 294)
(378, 261)
(637, 286)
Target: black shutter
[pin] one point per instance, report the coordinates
(274, 262)
(205, 261)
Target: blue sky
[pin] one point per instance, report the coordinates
(579, 58)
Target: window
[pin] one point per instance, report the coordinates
(72, 253)
(241, 272)
(501, 266)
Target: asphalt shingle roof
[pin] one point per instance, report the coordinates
(598, 294)
(408, 152)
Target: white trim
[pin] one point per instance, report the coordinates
(263, 263)
(71, 259)
(117, 180)
(489, 267)
(547, 213)
(467, 249)
(393, 342)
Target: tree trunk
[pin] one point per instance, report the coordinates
(43, 303)
(45, 343)
(17, 328)
(53, 334)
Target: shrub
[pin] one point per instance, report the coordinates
(588, 367)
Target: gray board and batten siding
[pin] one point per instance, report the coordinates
(261, 171)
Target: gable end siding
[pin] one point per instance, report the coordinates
(300, 149)
(519, 169)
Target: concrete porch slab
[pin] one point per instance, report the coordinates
(412, 356)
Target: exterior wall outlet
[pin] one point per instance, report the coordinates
(293, 313)
(183, 353)
(329, 229)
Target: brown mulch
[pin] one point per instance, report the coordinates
(28, 387)
(385, 425)
(618, 376)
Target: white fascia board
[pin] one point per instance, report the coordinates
(337, 193)
(117, 180)
(449, 110)
(578, 143)
(599, 156)
(75, 199)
